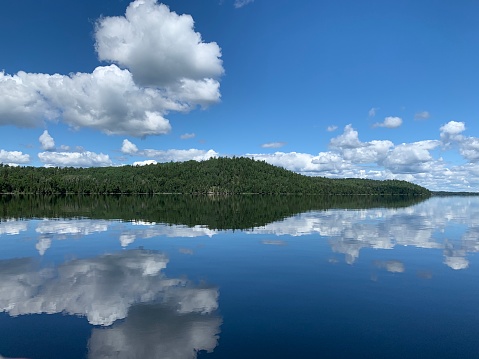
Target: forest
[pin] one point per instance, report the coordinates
(220, 176)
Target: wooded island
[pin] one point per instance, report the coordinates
(223, 175)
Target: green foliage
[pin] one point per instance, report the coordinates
(215, 176)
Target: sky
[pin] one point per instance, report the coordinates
(335, 88)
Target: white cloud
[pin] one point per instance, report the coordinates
(167, 67)
(451, 131)
(178, 155)
(187, 136)
(389, 122)
(411, 157)
(469, 149)
(128, 147)
(13, 157)
(332, 128)
(273, 144)
(46, 141)
(159, 46)
(240, 3)
(20, 104)
(74, 159)
(371, 152)
(145, 163)
(349, 139)
(423, 115)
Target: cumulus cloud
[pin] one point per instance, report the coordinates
(423, 115)
(22, 105)
(128, 147)
(46, 141)
(187, 136)
(13, 158)
(389, 122)
(74, 159)
(332, 128)
(469, 149)
(166, 67)
(240, 3)
(451, 131)
(348, 139)
(382, 159)
(411, 157)
(273, 144)
(159, 46)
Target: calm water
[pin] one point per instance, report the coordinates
(218, 278)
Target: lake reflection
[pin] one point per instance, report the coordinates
(322, 283)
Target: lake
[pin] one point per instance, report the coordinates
(239, 277)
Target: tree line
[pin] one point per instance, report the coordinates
(237, 175)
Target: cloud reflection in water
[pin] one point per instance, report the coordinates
(146, 310)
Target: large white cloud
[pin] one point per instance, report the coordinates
(159, 46)
(166, 67)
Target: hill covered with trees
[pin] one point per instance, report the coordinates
(237, 175)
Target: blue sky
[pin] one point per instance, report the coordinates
(371, 89)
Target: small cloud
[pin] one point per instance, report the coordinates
(64, 148)
(128, 147)
(389, 122)
(145, 163)
(240, 3)
(187, 136)
(423, 115)
(332, 128)
(74, 159)
(372, 111)
(46, 141)
(273, 144)
(452, 131)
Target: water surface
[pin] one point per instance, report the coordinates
(178, 277)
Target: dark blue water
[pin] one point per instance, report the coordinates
(372, 283)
